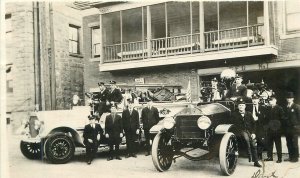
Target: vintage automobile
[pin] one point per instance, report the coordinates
(205, 126)
(55, 134)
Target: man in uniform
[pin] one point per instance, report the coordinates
(92, 133)
(292, 127)
(150, 117)
(275, 116)
(114, 133)
(237, 89)
(132, 128)
(102, 97)
(244, 121)
(114, 96)
(259, 115)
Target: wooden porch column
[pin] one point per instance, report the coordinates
(166, 27)
(247, 15)
(121, 29)
(101, 41)
(149, 32)
(191, 26)
(201, 26)
(218, 14)
(266, 23)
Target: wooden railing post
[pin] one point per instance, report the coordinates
(101, 41)
(266, 23)
(201, 26)
(149, 48)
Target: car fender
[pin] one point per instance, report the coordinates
(224, 128)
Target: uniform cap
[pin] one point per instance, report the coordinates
(112, 82)
(100, 83)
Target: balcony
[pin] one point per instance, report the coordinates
(160, 39)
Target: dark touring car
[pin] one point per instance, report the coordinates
(205, 127)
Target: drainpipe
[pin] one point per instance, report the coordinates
(37, 65)
(53, 76)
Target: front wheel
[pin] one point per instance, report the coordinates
(59, 149)
(31, 150)
(162, 152)
(228, 153)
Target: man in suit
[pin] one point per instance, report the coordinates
(131, 126)
(92, 133)
(275, 116)
(244, 122)
(259, 115)
(102, 97)
(292, 127)
(114, 96)
(114, 133)
(237, 89)
(150, 117)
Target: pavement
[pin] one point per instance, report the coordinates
(140, 167)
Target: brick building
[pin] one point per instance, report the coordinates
(55, 50)
(172, 42)
(44, 56)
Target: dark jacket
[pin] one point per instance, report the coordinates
(102, 96)
(262, 120)
(150, 117)
(130, 122)
(275, 118)
(234, 91)
(292, 118)
(114, 128)
(245, 123)
(115, 96)
(91, 133)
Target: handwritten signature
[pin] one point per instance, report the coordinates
(260, 174)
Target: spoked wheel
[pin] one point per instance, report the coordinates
(31, 150)
(59, 149)
(162, 152)
(228, 153)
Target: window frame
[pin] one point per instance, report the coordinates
(93, 44)
(285, 34)
(77, 41)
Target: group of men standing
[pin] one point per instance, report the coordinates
(117, 126)
(263, 125)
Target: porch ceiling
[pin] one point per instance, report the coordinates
(183, 59)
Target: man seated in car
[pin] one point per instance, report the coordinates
(244, 122)
(237, 89)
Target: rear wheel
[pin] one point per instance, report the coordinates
(31, 150)
(228, 153)
(162, 152)
(59, 149)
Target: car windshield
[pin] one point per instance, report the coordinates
(213, 108)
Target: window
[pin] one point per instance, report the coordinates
(9, 79)
(74, 39)
(292, 16)
(96, 41)
(8, 27)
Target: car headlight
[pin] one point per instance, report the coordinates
(39, 125)
(169, 123)
(203, 122)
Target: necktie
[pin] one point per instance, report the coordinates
(93, 126)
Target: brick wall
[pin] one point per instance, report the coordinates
(69, 69)
(21, 56)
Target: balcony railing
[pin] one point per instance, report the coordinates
(232, 38)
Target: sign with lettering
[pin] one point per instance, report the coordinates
(139, 80)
